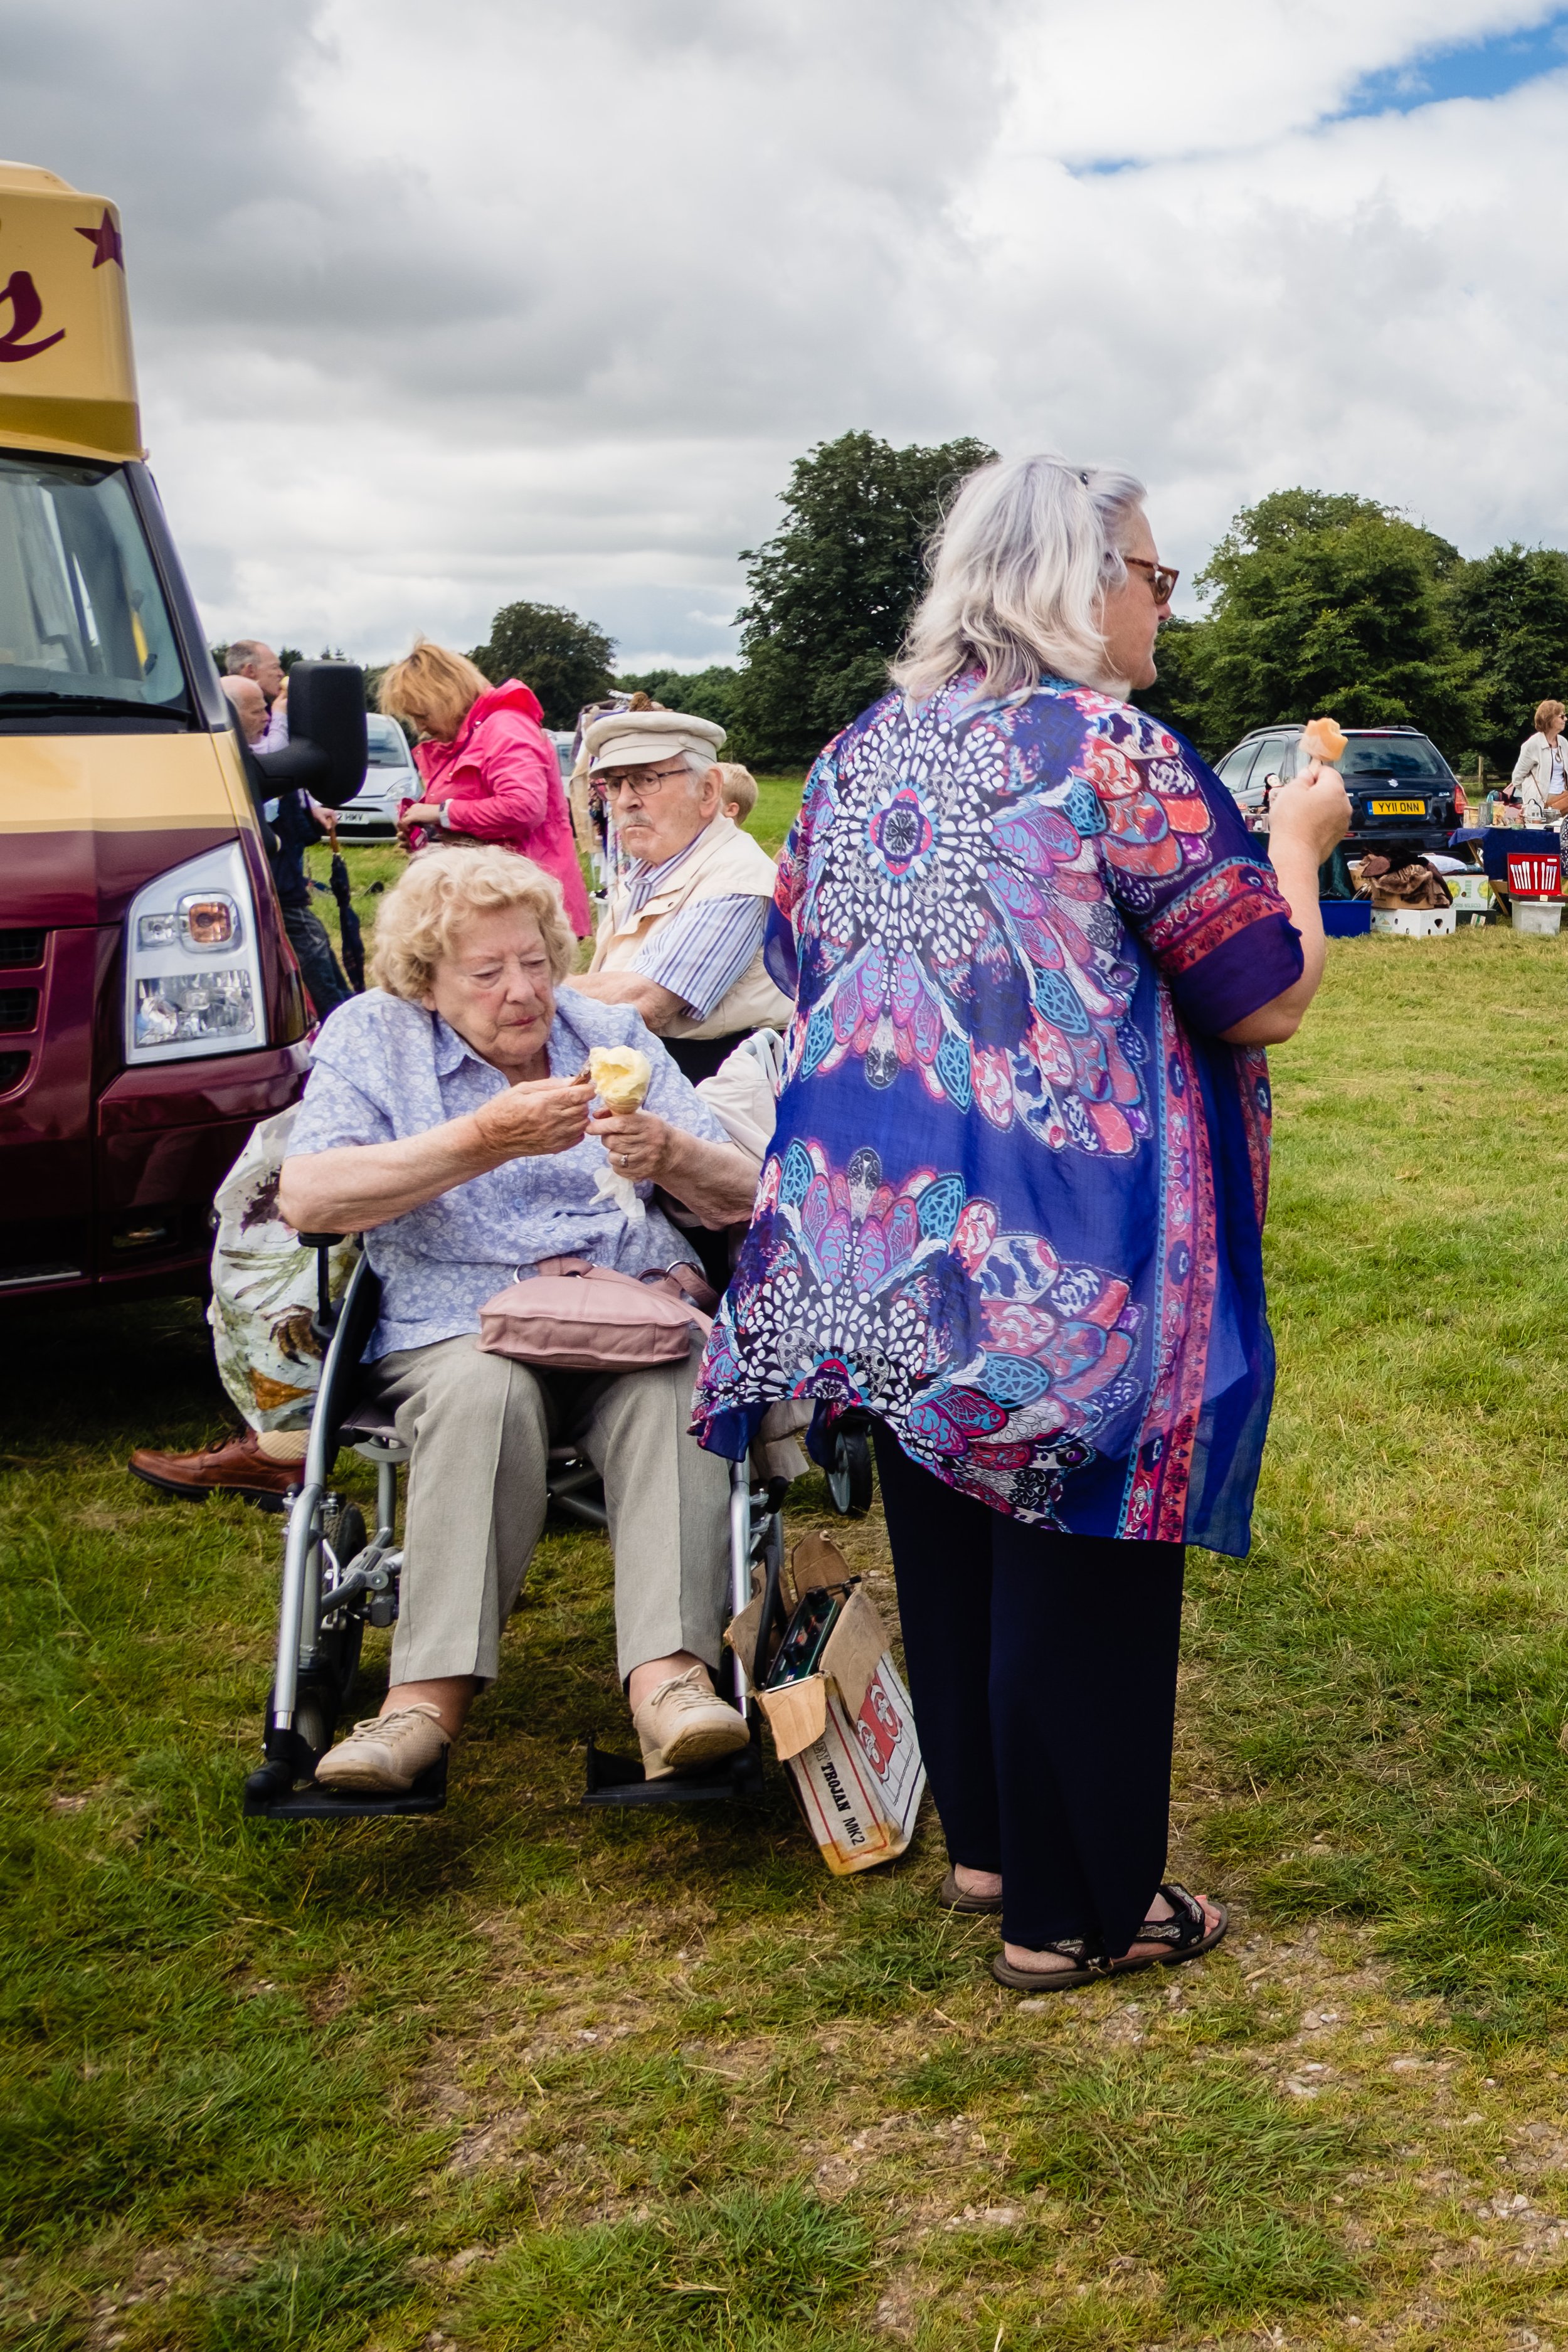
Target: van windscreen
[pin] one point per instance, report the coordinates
(82, 617)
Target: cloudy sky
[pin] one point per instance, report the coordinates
(439, 307)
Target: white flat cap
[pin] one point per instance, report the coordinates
(635, 739)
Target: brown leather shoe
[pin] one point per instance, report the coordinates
(232, 1466)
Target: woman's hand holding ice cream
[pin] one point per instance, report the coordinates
(1313, 810)
(639, 1145)
(1308, 818)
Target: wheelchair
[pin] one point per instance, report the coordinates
(338, 1576)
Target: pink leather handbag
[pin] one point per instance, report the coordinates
(572, 1317)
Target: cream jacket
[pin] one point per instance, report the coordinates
(1532, 776)
(723, 863)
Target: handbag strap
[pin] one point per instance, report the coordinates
(682, 1280)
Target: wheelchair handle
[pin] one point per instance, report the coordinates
(324, 1319)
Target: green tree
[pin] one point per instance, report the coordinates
(1177, 697)
(1510, 610)
(705, 693)
(565, 659)
(829, 597)
(1329, 602)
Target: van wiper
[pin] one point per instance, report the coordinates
(93, 706)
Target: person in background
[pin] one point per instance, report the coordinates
(249, 658)
(249, 707)
(488, 770)
(1012, 1206)
(737, 791)
(1540, 782)
(296, 822)
(681, 938)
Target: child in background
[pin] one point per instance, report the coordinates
(739, 795)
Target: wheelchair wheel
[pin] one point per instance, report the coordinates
(344, 1527)
(849, 1475)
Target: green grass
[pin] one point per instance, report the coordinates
(522, 2075)
(778, 797)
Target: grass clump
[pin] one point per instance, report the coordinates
(747, 2268)
(950, 2081)
(1206, 2178)
(315, 2297)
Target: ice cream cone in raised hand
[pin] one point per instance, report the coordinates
(621, 1076)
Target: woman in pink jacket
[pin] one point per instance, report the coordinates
(488, 770)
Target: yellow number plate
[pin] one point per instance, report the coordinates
(1398, 808)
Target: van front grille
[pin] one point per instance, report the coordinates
(22, 950)
(13, 1070)
(18, 1008)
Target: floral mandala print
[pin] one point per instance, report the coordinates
(991, 1356)
(958, 913)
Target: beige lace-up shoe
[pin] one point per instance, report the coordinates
(385, 1752)
(683, 1723)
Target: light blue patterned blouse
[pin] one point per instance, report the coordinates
(382, 1069)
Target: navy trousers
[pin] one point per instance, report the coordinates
(312, 949)
(1042, 1671)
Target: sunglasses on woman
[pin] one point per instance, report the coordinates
(1163, 577)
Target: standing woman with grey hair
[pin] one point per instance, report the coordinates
(1013, 1208)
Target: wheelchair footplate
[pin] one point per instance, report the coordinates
(621, 1779)
(272, 1795)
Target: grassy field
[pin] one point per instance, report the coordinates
(522, 2076)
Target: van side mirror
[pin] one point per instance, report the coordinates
(326, 750)
(326, 711)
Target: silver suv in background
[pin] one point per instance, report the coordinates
(390, 778)
(1403, 792)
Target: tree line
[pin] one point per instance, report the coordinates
(1313, 601)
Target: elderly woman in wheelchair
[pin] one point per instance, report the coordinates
(449, 1118)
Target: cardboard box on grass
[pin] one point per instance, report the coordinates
(846, 1735)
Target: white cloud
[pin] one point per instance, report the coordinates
(436, 308)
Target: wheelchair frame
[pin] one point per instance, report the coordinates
(337, 1578)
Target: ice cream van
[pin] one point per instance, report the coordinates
(151, 1010)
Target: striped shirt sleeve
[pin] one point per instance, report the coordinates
(701, 952)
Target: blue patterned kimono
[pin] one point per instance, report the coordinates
(1014, 1201)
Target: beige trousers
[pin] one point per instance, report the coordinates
(480, 1428)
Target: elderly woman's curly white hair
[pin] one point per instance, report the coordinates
(443, 889)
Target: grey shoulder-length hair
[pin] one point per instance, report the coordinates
(1017, 570)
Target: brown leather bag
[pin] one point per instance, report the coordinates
(569, 1316)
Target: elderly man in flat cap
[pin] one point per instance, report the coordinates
(681, 939)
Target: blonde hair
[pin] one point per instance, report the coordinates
(1018, 569)
(433, 688)
(1545, 712)
(737, 784)
(422, 914)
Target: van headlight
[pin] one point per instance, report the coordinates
(192, 975)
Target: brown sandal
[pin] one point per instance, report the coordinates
(1187, 1934)
(952, 1897)
(1086, 1968)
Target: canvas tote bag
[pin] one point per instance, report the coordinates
(569, 1316)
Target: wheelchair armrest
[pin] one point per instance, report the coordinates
(319, 1240)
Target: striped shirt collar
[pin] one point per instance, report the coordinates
(642, 881)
